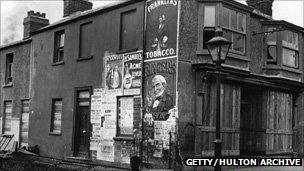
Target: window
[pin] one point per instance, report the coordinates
(9, 68)
(8, 107)
(59, 47)
(125, 116)
(56, 116)
(290, 54)
(209, 24)
(234, 27)
(128, 31)
(85, 50)
(24, 123)
(271, 47)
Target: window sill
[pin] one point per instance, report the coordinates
(58, 63)
(283, 68)
(55, 133)
(126, 51)
(7, 85)
(230, 55)
(86, 58)
(124, 138)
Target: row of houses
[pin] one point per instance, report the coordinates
(77, 88)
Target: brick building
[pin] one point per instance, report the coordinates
(89, 76)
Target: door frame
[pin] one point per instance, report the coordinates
(75, 124)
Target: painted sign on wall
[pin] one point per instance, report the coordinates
(161, 28)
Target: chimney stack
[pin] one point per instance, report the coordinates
(265, 6)
(32, 22)
(72, 6)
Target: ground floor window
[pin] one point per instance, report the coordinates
(24, 123)
(7, 117)
(56, 116)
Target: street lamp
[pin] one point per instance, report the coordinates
(218, 48)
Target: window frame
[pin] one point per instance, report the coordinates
(80, 58)
(120, 43)
(5, 115)
(21, 121)
(52, 132)
(286, 46)
(118, 133)
(273, 43)
(57, 46)
(9, 68)
(235, 31)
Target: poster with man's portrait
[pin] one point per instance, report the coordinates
(160, 87)
(161, 34)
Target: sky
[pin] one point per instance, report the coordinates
(14, 11)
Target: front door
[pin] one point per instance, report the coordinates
(82, 123)
(252, 130)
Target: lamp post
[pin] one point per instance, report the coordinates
(218, 48)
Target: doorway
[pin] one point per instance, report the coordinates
(82, 123)
(252, 129)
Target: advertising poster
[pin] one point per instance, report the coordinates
(113, 71)
(132, 73)
(160, 85)
(106, 151)
(161, 34)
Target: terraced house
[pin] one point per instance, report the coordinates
(136, 78)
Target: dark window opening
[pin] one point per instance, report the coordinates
(9, 68)
(59, 47)
(208, 34)
(271, 54)
(85, 50)
(128, 31)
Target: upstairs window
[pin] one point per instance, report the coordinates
(59, 47)
(85, 40)
(128, 31)
(9, 68)
(209, 23)
(234, 27)
(290, 49)
(271, 47)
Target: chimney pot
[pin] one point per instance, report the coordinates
(32, 22)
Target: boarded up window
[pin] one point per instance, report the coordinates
(86, 40)
(279, 123)
(125, 115)
(56, 115)
(24, 124)
(128, 31)
(8, 116)
(230, 118)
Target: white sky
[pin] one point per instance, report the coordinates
(13, 12)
